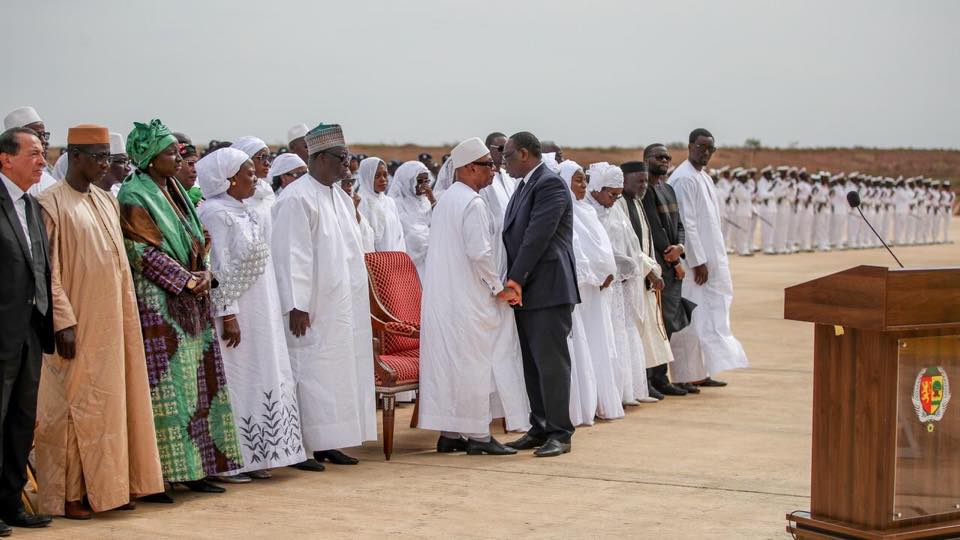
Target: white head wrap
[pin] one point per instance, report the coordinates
(20, 117)
(605, 175)
(116, 144)
(404, 185)
(366, 172)
(468, 151)
(414, 210)
(444, 178)
(550, 160)
(249, 145)
(591, 244)
(215, 170)
(283, 164)
(567, 169)
(379, 209)
(60, 167)
(296, 132)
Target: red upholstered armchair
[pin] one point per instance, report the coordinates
(395, 314)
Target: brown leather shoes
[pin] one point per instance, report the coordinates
(76, 510)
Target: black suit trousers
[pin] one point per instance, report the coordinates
(18, 413)
(546, 369)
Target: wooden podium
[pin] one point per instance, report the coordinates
(886, 434)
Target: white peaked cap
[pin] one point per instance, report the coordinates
(116, 144)
(296, 132)
(468, 151)
(20, 117)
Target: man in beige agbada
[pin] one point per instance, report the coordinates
(95, 435)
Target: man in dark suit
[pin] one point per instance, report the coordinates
(663, 214)
(538, 235)
(26, 317)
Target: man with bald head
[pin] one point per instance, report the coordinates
(538, 235)
(26, 317)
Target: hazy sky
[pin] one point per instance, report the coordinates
(585, 73)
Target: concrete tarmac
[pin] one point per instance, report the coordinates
(728, 463)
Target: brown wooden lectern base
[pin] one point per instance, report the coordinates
(805, 527)
(885, 456)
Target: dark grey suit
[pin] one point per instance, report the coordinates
(538, 235)
(26, 330)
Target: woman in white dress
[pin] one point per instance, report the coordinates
(410, 189)
(377, 208)
(605, 188)
(248, 317)
(595, 273)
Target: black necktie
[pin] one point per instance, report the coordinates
(39, 258)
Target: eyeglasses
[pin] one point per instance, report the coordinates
(344, 156)
(98, 157)
(508, 155)
(295, 175)
(488, 164)
(498, 148)
(44, 135)
(119, 160)
(264, 158)
(711, 149)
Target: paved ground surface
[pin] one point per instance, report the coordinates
(728, 463)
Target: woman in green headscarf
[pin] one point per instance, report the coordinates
(168, 251)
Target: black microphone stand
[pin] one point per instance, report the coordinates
(865, 220)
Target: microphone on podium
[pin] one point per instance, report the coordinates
(853, 199)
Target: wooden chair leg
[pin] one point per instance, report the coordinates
(389, 401)
(415, 419)
(503, 422)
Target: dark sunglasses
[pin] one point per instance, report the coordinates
(344, 156)
(264, 157)
(488, 164)
(706, 148)
(498, 148)
(98, 157)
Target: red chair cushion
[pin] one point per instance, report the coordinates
(396, 284)
(406, 364)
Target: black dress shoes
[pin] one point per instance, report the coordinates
(552, 448)
(492, 447)
(446, 445)
(159, 498)
(708, 382)
(309, 464)
(671, 389)
(202, 486)
(336, 457)
(655, 394)
(21, 518)
(526, 442)
(690, 388)
(5, 529)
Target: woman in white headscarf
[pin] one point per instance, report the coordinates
(248, 317)
(410, 189)
(596, 268)
(284, 170)
(377, 208)
(604, 189)
(259, 153)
